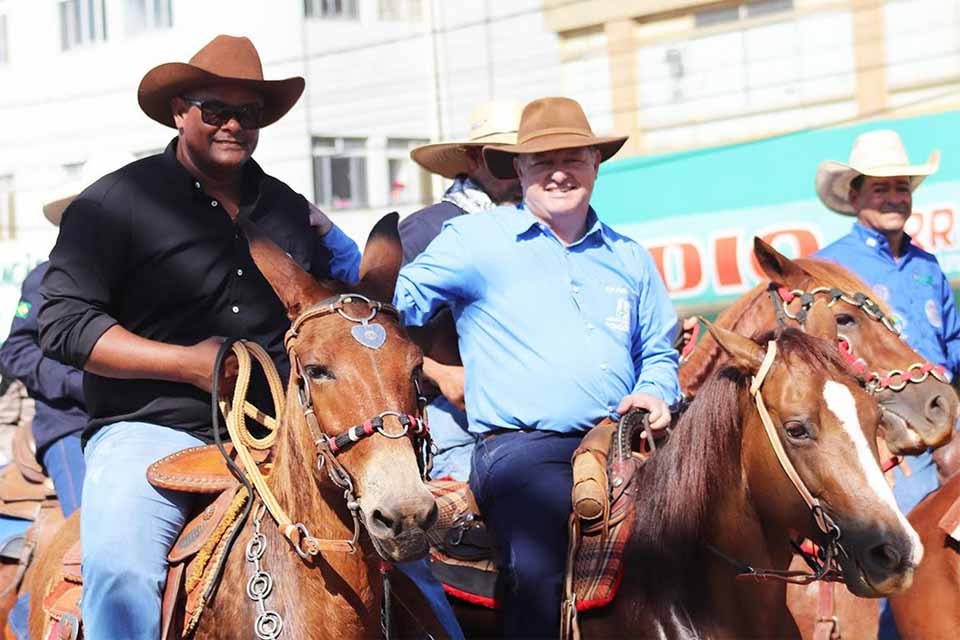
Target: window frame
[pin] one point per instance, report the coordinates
(87, 24)
(324, 150)
(317, 10)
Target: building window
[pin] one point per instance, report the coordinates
(331, 9)
(8, 216)
(585, 76)
(407, 182)
(82, 22)
(340, 172)
(408, 10)
(144, 15)
(721, 15)
(922, 46)
(4, 53)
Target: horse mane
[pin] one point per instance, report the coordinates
(700, 464)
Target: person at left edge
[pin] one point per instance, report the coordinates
(56, 388)
(150, 271)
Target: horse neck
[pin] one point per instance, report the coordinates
(339, 586)
(746, 316)
(702, 588)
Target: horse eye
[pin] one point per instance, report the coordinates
(796, 430)
(318, 372)
(845, 320)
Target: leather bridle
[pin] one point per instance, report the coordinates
(874, 381)
(824, 566)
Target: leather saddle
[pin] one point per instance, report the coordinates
(197, 556)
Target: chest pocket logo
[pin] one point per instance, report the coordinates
(620, 320)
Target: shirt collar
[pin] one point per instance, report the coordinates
(252, 177)
(878, 242)
(524, 221)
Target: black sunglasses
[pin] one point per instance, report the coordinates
(216, 113)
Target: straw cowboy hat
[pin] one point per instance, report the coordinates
(493, 122)
(879, 154)
(99, 165)
(225, 60)
(548, 124)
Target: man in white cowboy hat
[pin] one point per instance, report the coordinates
(474, 189)
(150, 267)
(876, 186)
(561, 322)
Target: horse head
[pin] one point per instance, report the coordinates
(919, 407)
(814, 468)
(353, 399)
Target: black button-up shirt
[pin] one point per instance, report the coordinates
(145, 247)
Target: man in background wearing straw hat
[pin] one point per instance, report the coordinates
(149, 269)
(876, 186)
(562, 322)
(474, 189)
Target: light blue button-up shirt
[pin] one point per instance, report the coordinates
(551, 336)
(913, 285)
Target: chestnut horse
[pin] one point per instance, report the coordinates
(333, 594)
(931, 607)
(919, 415)
(715, 500)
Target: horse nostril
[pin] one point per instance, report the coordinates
(884, 557)
(385, 520)
(936, 410)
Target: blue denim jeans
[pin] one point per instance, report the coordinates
(448, 427)
(63, 461)
(522, 482)
(127, 527)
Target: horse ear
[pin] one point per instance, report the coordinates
(296, 288)
(381, 261)
(744, 352)
(821, 323)
(776, 266)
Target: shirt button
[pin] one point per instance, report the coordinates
(235, 309)
(603, 366)
(214, 203)
(871, 242)
(239, 272)
(196, 185)
(575, 289)
(590, 326)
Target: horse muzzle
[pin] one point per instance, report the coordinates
(399, 531)
(919, 416)
(879, 563)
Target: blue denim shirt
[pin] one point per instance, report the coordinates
(552, 337)
(914, 286)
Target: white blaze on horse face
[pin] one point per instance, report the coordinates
(840, 402)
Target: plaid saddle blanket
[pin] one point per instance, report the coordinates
(463, 556)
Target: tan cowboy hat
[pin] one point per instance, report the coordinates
(879, 154)
(493, 122)
(548, 124)
(225, 60)
(99, 165)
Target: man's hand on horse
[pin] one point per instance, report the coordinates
(659, 411)
(450, 379)
(202, 358)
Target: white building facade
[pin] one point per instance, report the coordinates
(382, 76)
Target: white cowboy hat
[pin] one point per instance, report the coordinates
(97, 166)
(493, 122)
(879, 154)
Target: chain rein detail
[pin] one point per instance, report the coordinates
(895, 379)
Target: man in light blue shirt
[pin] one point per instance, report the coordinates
(561, 322)
(877, 187)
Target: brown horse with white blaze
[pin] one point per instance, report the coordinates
(919, 407)
(717, 500)
(333, 594)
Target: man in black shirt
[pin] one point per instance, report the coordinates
(149, 273)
